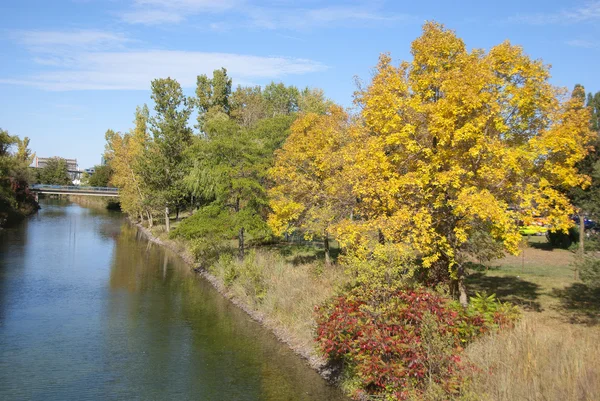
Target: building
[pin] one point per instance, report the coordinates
(41, 162)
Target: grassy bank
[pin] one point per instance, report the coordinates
(552, 353)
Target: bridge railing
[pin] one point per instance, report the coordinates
(73, 188)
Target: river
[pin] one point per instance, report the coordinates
(90, 310)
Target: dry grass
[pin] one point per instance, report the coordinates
(285, 289)
(541, 359)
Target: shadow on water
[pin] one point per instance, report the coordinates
(579, 303)
(508, 289)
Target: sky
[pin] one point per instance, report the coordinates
(71, 69)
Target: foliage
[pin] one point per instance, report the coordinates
(101, 177)
(457, 140)
(124, 152)
(587, 199)
(55, 172)
(589, 270)
(309, 192)
(171, 136)
(212, 95)
(15, 176)
(562, 239)
(397, 342)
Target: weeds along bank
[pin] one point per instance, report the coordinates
(95, 202)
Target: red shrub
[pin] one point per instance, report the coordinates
(397, 341)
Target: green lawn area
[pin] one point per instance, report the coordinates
(541, 280)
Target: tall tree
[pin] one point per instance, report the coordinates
(281, 99)
(227, 169)
(593, 102)
(309, 192)
(454, 142)
(212, 95)
(55, 172)
(171, 136)
(124, 153)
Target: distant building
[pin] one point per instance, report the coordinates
(41, 162)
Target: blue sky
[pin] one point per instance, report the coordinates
(71, 69)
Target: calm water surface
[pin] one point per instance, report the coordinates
(89, 310)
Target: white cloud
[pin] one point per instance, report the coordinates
(53, 41)
(304, 18)
(135, 69)
(586, 44)
(588, 12)
(276, 15)
(154, 12)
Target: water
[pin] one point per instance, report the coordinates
(90, 310)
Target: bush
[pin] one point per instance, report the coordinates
(399, 343)
(561, 239)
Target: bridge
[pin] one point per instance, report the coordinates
(74, 190)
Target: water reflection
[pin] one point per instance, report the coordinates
(91, 310)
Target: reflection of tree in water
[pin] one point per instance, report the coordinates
(198, 338)
(12, 256)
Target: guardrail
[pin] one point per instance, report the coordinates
(73, 188)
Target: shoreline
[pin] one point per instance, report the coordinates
(315, 362)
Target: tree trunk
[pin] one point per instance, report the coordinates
(241, 244)
(581, 241)
(150, 220)
(326, 246)
(581, 233)
(177, 213)
(381, 237)
(462, 288)
(167, 221)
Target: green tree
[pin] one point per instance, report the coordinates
(55, 172)
(101, 177)
(593, 102)
(212, 95)
(15, 199)
(281, 99)
(227, 168)
(172, 136)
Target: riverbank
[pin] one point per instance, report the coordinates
(95, 202)
(280, 292)
(10, 215)
(276, 292)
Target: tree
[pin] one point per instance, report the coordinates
(593, 102)
(309, 192)
(171, 136)
(281, 99)
(227, 169)
(101, 177)
(55, 172)
(248, 106)
(212, 95)
(125, 153)
(457, 141)
(15, 176)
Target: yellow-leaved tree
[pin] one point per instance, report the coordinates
(452, 143)
(124, 152)
(309, 193)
